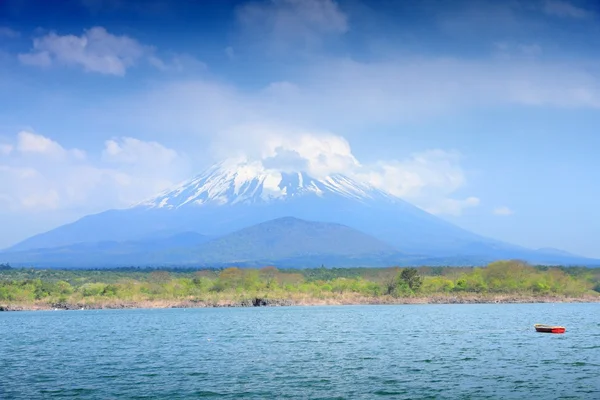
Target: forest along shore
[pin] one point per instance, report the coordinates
(499, 282)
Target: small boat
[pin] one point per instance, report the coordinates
(549, 328)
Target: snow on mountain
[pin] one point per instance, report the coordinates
(232, 182)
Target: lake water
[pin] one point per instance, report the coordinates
(347, 352)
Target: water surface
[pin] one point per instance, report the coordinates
(348, 352)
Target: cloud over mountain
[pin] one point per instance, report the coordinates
(428, 178)
(130, 169)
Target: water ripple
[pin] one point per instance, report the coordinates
(396, 352)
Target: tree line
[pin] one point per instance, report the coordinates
(503, 277)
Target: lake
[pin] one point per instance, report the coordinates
(339, 352)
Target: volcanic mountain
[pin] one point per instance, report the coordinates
(231, 196)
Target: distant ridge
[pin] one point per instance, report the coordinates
(273, 241)
(285, 242)
(289, 237)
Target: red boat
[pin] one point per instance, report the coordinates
(549, 328)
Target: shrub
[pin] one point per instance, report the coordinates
(92, 289)
(110, 290)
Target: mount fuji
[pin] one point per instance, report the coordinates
(195, 221)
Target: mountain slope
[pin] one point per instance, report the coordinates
(107, 253)
(289, 237)
(276, 241)
(234, 195)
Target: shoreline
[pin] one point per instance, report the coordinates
(291, 302)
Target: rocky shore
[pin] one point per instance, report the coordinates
(252, 302)
(306, 301)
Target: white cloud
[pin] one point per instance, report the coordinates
(40, 59)
(32, 143)
(413, 88)
(565, 9)
(504, 211)
(28, 142)
(345, 95)
(290, 24)
(129, 150)
(422, 171)
(96, 50)
(8, 33)
(129, 170)
(427, 179)
(319, 153)
(144, 167)
(19, 172)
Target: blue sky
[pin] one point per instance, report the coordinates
(484, 113)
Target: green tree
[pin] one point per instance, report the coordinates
(64, 287)
(411, 277)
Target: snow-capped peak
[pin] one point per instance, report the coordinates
(246, 182)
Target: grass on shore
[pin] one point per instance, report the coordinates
(503, 281)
